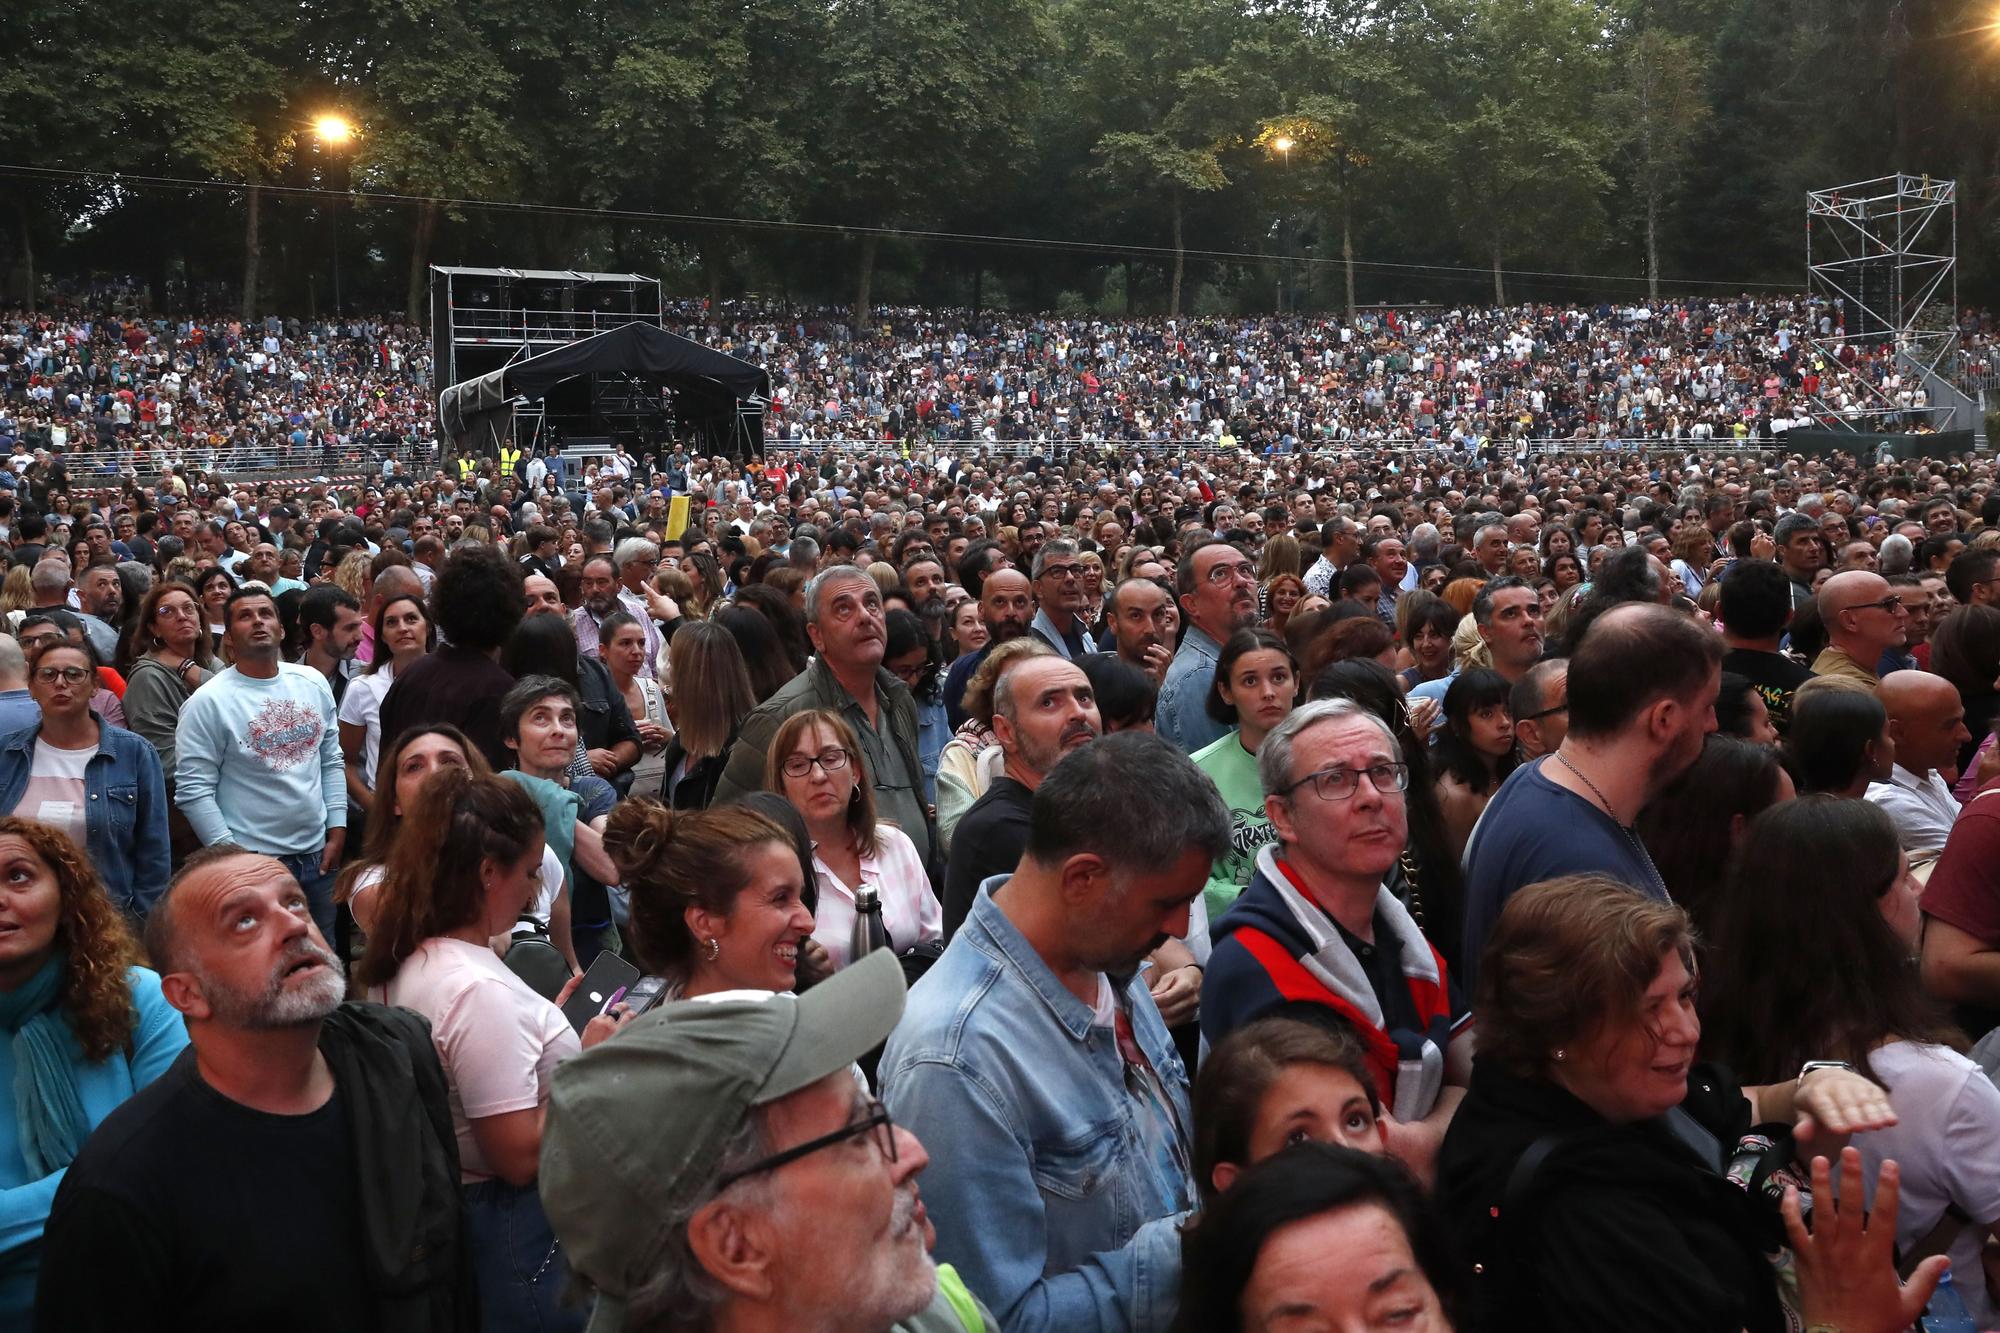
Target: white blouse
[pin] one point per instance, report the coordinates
(910, 911)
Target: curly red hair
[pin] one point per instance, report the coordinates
(96, 995)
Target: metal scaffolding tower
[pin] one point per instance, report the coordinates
(1882, 259)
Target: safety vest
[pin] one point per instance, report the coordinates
(510, 462)
(467, 469)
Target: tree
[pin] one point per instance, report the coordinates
(1656, 110)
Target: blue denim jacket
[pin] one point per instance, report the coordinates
(1047, 1195)
(126, 818)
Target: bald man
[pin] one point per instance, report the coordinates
(1864, 618)
(1927, 722)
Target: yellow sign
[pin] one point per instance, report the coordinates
(677, 517)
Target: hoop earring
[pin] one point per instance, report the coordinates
(1561, 1054)
(713, 948)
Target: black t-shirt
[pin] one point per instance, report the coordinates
(186, 1210)
(988, 841)
(1773, 675)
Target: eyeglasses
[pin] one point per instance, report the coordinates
(1546, 712)
(1892, 604)
(876, 1123)
(67, 675)
(1243, 570)
(830, 760)
(1338, 784)
(1062, 573)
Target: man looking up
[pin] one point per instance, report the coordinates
(287, 1104)
(1540, 706)
(1218, 594)
(1058, 581)
(1139, 626)
(849, 635)
(257, 758)
(1508, 615)
(1006, 608)
(1043, 708)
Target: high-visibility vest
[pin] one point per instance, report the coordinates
(510, 462)
(467, 469)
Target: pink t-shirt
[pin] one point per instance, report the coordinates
(497, 1039)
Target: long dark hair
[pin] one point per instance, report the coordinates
(1305, 1180)
(1441, 887)
(1252, 639)
(1689, 827)
(1452, 753)
(768, 664)
(1828, 738)
(541, 646)
(382, 656)
(1807, 883)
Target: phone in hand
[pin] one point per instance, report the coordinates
(645, 993)
(607, 980)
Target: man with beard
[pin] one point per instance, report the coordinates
(1318, 936)
(1043, 708)
(924, 577)
(257, 759)
(1218, 593)
(849, 636)
(1006, 606)
(1139, 626)
(784, 1196)
(296, 1166)
(1040, 1031)
(1642, 688)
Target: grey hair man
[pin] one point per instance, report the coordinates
(1039, 1029)
(849, 633)
(1058, 580)
(783, 1197)
(1319, 936)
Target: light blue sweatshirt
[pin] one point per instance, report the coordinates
(257, 762)
(157, 1038)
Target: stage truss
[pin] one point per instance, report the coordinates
(1882, 255)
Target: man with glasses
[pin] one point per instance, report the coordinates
(1058, 578)
(1218, 593)
(781, 1195)
(1864, 618)
(1034, 1058)
(1540, 705)
(1317, 936)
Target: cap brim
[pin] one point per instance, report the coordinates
(840, 1020)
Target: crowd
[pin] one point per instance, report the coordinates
(1316, 887)
(132, 392)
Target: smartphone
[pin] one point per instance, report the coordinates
(607, 975)
(645, 993)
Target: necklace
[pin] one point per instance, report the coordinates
(1638, 847)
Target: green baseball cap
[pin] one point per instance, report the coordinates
(636, 1124)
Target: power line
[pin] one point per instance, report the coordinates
(1466, 272)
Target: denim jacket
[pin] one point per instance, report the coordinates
(126, 818)
(1047, 1195)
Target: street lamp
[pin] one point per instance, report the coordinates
(1283, 143)
(334, 130)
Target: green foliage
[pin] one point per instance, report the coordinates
(1446, 150)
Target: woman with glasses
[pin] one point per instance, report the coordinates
(100, 785)
(168, 657)
(910, 657)
(815, 762)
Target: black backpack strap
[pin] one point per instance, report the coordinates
(1501, 1277)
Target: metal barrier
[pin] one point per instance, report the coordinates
(107, 467)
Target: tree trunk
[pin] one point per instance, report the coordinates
(1653, 247)
(1128, 289)
(1499, 287)
(978, 282)
(1347, 238)
(420, 259)
(869, 245)
(252, 248)
(1180, 264)
(27, 251)
(711, 264)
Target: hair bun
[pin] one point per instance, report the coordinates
(637, 835)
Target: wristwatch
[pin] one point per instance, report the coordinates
(1812, 1065)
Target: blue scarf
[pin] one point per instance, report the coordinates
(48, 1109)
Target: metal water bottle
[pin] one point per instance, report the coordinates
(869, 932)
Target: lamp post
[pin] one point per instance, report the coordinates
(335, 131)
(1283, 143)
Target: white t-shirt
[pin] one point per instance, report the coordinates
(361, 707)
(545, 897)
(1946, 1140)
(497, 1039)
(54, 794)
(910, 911)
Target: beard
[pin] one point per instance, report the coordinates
(277, 1006)
(901, 1278)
